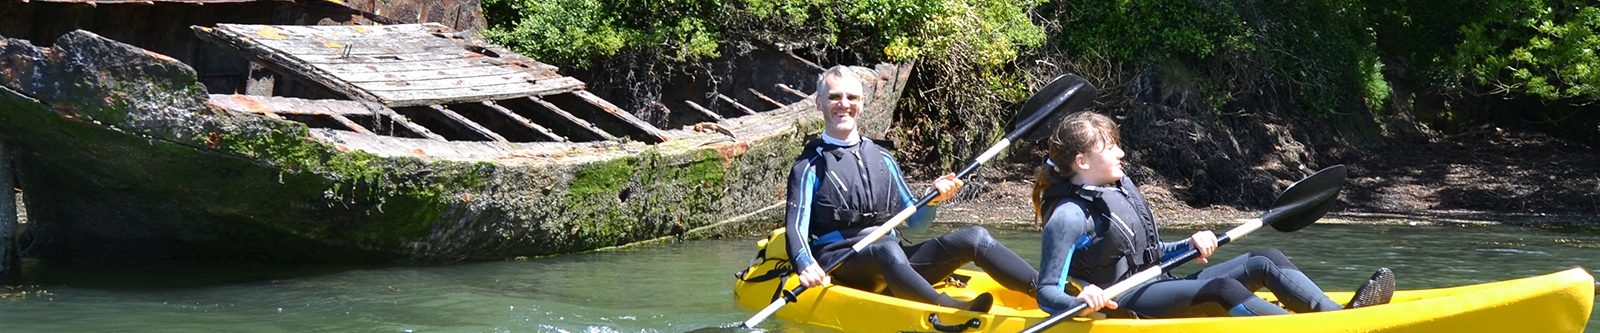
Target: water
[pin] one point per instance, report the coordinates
(667, 288)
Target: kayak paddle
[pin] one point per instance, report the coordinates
(1066, 92)
(1301, 204)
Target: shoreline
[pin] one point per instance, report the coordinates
(1006, 204)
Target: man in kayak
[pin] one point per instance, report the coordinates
(844, 185)
(1099, 229)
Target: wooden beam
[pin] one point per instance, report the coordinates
(473, 126)
(524, 121)
(792, 91)
(804, 61)
(353, 126)
(759, 95)
(736, 104)
(583, 125)
(398, 118)
(704, 111)
(653, 134)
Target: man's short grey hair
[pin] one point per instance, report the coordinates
(837, 71)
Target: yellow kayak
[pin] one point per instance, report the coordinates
(1555, 302)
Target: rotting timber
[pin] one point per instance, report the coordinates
(124, 156)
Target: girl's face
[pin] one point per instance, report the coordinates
(1101, 166)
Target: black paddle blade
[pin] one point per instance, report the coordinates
(1065, 92)
(1306, 200)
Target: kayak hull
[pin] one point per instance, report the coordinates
(1555, 302)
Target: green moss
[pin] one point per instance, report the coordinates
(603, 178)
(403, 198)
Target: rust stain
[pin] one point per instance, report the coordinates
(342, 148)
(418, 152)
(213, 138)
(251, 104)
(729, 150)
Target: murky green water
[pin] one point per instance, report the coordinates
(669, 288)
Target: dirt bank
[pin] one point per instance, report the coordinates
(1482, 176)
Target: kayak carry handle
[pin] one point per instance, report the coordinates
(971, 324)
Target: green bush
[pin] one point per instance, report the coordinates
(578, 32)
(1545, 48)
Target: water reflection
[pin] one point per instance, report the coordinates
(668, 288)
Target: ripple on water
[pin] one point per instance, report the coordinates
(1515, 251)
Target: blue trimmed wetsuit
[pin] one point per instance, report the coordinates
(840, 191)
(1102, 235)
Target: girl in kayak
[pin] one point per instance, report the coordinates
(1098, 229)
(844, 185)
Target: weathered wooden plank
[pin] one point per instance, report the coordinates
(381, 67)
(439, 85)
(624, 116)
(524, 121)
(704, 111)
(792, 91)
(424, 74)
(415, 97)
(391, 45)
(735, 104)
(769, 100)
(581, 125)
(473, 126)
(287, 105)
(385, 58)
(394, 80)
(279, 61)
(335, 31)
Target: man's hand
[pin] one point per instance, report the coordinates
(947, 186)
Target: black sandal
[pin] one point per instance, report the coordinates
(1378, 290)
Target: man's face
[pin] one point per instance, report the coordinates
(841, 105)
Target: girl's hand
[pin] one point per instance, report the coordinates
(1205, 242)
(813, 276)
(1096, 299)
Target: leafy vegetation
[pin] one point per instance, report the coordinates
(977, 58)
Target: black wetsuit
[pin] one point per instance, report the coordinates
(838, 194)
(1083, 218)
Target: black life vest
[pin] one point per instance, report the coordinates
(855, 186)
(1124, 239)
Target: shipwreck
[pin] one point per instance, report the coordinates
(376, 142)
